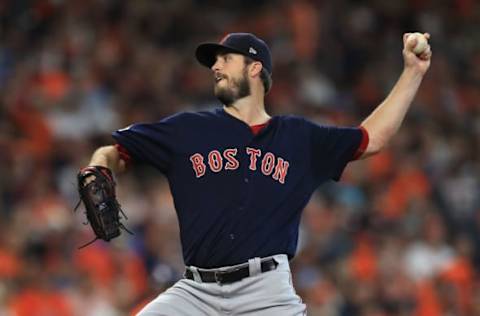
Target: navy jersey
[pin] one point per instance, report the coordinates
(239, 195)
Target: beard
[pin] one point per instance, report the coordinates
(235, 90)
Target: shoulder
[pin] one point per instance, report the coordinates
(297, 123)
(309, 124)
(291, 120)
(191, 116)
(180, 118)
(166, 123)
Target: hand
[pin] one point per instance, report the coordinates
(420, 62)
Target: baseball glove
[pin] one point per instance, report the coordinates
(96, 187)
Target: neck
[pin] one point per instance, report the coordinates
(250, 110)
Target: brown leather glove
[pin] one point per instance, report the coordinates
(96, 187)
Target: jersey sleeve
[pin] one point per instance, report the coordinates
(333, 147)
(150, 143)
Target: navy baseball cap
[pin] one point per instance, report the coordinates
(241, 43)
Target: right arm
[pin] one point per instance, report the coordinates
(385, 120)
(109, 157)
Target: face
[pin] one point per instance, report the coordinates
(231, 78)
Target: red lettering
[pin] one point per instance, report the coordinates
(281, 170)
(268, 162)
(232, 162)
(198, 165)
(254, 153)
(215, 161)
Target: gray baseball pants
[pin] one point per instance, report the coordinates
(269, 293)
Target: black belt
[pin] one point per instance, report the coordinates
(231, 275)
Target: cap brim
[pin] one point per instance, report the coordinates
(206, 53)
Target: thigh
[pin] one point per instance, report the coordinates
(182, 299)
(270, 294)
(296, 309)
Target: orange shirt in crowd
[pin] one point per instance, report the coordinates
(428, 303)
(99, 264)
(363, 260)
(32, 302)
(380, 165)
(305, 29)
(36, 137)
(461, 275)
(407, 186)
(10, 264)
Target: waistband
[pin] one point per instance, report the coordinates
(231, 274)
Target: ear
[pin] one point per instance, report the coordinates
(255, 69)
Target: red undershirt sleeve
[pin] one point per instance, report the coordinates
(124, 155)
(363, 144)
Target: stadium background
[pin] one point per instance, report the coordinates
(399, 235)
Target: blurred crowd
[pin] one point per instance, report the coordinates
(399, 235)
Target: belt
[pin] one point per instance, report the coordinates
(232, 274)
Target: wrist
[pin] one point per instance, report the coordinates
(413, 72)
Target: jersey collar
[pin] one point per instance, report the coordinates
(269, 123)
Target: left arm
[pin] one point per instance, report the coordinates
(386, 119)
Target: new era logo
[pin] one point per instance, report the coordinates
(252, 50)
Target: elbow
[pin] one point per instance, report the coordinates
(376, 143)
(374, 150)
(106, 153)
(380, 133)
(371, 150)
(108, 157)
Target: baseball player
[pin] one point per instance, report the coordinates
(241, 178)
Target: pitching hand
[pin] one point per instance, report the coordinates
(419, 62)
